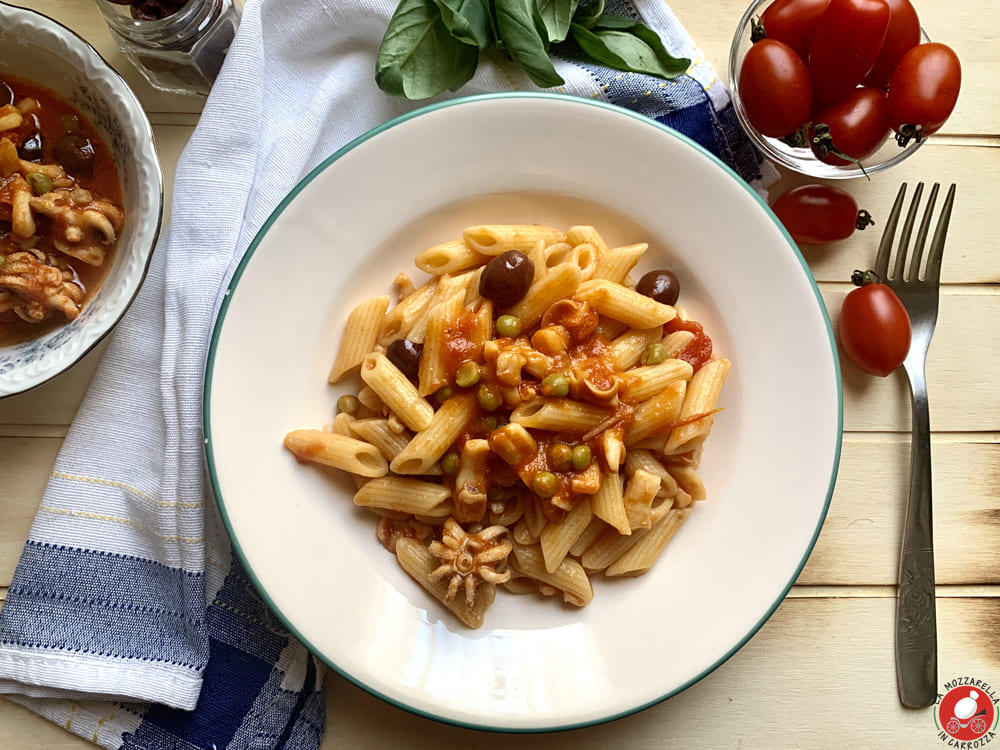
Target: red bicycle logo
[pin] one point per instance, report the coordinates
(965, 713)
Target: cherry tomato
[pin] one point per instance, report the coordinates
(874, 328)
(846, 44)
(855, 127)
(792, 22)
(902, 35)
(923, 90)
(774, 88)
(818, 214)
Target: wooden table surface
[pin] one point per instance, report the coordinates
(821, 671)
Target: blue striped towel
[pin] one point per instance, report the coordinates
(129, 621)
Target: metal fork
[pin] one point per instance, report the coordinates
(916, 623)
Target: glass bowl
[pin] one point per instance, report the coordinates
(801, 159)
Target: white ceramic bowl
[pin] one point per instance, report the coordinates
(38, 49)
(769, 465)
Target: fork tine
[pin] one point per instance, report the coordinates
(904, 238)
(937, 244)
(918, 247)
(885, 246)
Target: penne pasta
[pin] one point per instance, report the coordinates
(657, 414)
(556, 538)
(428, 445)
(624, 304)
(419, 563)
(360, 335)
(396, 391)
(529, 452)
(339, 451)
(586, 234)
(449, 257)
(570, 577)
(640, 557)
(615, 265)
(609, 504)
(413, 496)
(701, 398)
(495, 239)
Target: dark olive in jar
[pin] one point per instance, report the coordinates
(405, 354)
(76, 155)
(660, 285)
(506, 278)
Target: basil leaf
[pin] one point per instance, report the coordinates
(467, 20)
(675, 66)
(555, 16)
(418, 57)
(587, 13)
(516, 29)
(623, 50)
(609, 22)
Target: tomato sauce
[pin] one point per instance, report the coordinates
(51, 120)
(699, 351)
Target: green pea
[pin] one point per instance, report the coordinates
(544, 484)
(347, 404)
(560, 456)
(508, 325)
(555, 384)
(488, 424)
(581, 457)
(39, 183)
(496, 492)
(488, 398)
(468, 374)
(449, 463)
(654, 354)
(443, 394)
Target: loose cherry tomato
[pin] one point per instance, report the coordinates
(846, 44)
(874, 326)
(774, 88)
(792, 22)
(818, 214)
(853, 128)
(923, 90)
(902, 35)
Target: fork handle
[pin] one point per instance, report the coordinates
(916, 620)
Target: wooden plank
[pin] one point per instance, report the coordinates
(961, 388)
(20, 493)
(962, 397)
(859, 543)
(819, 674)
(974, 217)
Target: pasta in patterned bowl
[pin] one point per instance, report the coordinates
(548, 376)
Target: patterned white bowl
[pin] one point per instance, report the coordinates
(37, 48)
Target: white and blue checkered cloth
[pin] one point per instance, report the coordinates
(129, 621)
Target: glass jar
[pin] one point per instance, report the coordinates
(181, 53)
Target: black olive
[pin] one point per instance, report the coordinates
(76, 154)
(506, 278)
(405, 354)
(31, 148)
(662, 286)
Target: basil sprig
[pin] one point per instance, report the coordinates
(431, 46)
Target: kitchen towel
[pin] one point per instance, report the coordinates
(129, 621)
